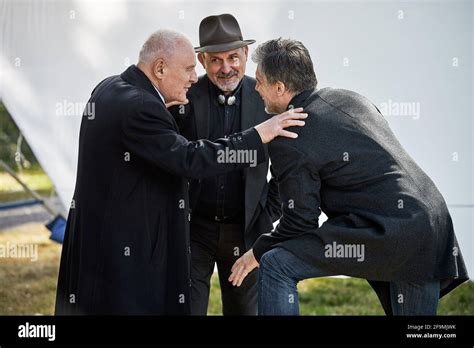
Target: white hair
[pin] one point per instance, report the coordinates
(161, 43)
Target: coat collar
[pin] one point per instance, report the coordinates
(136, 77)
(201, 106)
(304, 98)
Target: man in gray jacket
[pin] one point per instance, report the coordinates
(387, 221)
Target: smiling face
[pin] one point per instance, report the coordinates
(225, 69)
(177, 73)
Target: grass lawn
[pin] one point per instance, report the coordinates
(28, 287)
(35, 178)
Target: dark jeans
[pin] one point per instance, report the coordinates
(280, 271)
(222, 244)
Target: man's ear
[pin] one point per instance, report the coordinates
(159, 68)
(246, 51)
(280, 88)
(201, 59)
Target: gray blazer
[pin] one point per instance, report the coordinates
(348, 163)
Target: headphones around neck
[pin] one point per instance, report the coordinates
(231, 100)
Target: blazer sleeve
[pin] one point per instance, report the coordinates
(299, 189)
(150, 133)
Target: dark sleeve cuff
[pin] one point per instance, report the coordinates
(249, 140)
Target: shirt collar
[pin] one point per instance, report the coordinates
(158, 91)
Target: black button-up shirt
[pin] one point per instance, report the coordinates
(222, 198)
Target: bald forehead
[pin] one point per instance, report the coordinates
(184, 44)
(183, 54)
(184, 47)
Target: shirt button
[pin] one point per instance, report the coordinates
(222, 187)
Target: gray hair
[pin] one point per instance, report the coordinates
(162, 43)
(287, 61)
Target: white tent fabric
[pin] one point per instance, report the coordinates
(413, 59)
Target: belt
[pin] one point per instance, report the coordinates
(218, 219)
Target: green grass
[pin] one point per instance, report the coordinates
(29, 287)
(35, 179)
(351, 296)
(332, 296)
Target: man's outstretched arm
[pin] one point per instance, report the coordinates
(299, 186)
(152, 136)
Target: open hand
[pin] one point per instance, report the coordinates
(242, 267)
(276, 125)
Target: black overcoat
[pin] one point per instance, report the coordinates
(126, 247)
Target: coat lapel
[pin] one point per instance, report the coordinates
(249, 110)
(202, 108)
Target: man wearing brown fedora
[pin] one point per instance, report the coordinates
(229, 211)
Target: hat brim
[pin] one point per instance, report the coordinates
(224, 47)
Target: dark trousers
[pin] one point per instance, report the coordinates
(222, 244)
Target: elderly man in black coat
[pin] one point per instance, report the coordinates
(387, 221)
(126, 248)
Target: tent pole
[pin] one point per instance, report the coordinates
(26, 188)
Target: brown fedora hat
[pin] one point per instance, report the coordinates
(220, 33)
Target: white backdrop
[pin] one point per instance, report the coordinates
(413, 59)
